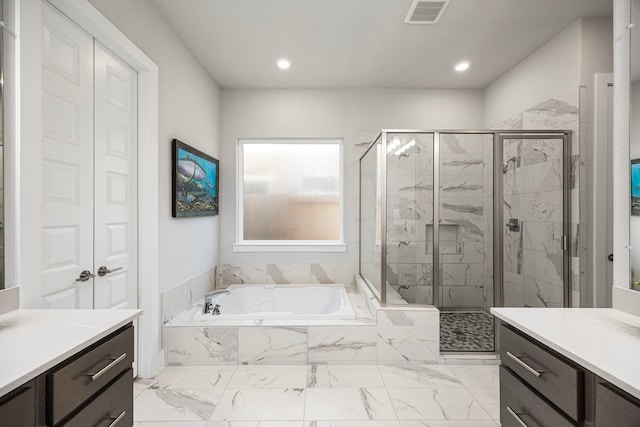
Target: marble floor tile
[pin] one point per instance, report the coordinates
(140, 385)
(348, 404)
(269, 376)
(255, 424)
(448, 424)
(477, 376)
(176, 405)
(345, 376)
(418, 376)
(436, 404)
(175, 377)
(266, 404)
(345, 395)
(171, 424)
(489, 399)
(351, 423)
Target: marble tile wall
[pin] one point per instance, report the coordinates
(182, 296)
(398, 337)
(533, 262)
(464, 191)
(285, 274)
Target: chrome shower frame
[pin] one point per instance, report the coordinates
(498, 217)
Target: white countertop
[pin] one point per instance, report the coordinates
(603, 340)
(33, 341)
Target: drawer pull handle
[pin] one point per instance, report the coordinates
(514, 414)
(117, 420)
(95, 375)
(518, 360)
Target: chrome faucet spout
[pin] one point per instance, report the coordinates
(208, 306)
(218, 292)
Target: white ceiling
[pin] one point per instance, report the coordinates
(365, 43)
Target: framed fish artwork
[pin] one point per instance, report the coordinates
(635, 187)
(195, 182)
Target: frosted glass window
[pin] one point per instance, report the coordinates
(291, 190)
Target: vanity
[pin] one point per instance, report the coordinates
(569, 367)
(67, 368)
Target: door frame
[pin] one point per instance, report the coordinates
(599, 222)
(27, 182)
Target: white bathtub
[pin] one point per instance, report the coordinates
(300, 302)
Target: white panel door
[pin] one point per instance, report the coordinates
(115, 182)
(67, 162)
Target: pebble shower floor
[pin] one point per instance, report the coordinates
(471, 331)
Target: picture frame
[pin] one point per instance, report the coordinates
(635, 187)
(195, 182)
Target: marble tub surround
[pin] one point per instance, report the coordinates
(33, 341)
(285, 274)
(182, 296)
(318, 395)
(9, 299)
(376, 335)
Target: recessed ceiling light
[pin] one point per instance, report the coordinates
(283, 63)
(462, 66)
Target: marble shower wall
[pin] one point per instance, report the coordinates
(533, 260)
(410, 216)
(465, 194)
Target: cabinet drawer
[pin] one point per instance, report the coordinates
(113, 407)
(555, 378)
(520, 405)
(615, 407)
(18, 409)
(69, 385)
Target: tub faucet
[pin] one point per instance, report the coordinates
(208, 301)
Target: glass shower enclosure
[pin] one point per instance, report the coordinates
(488, 208)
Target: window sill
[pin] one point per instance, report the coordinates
(289, 247)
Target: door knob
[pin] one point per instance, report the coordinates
(610, 257)
(103, 270)
(84, 276)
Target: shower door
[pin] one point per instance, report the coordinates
(534, 220)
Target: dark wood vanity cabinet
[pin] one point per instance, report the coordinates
(92, 388)
(614, 407)
(541, 388)
(18, 408)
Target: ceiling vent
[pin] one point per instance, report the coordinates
(426, 11)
